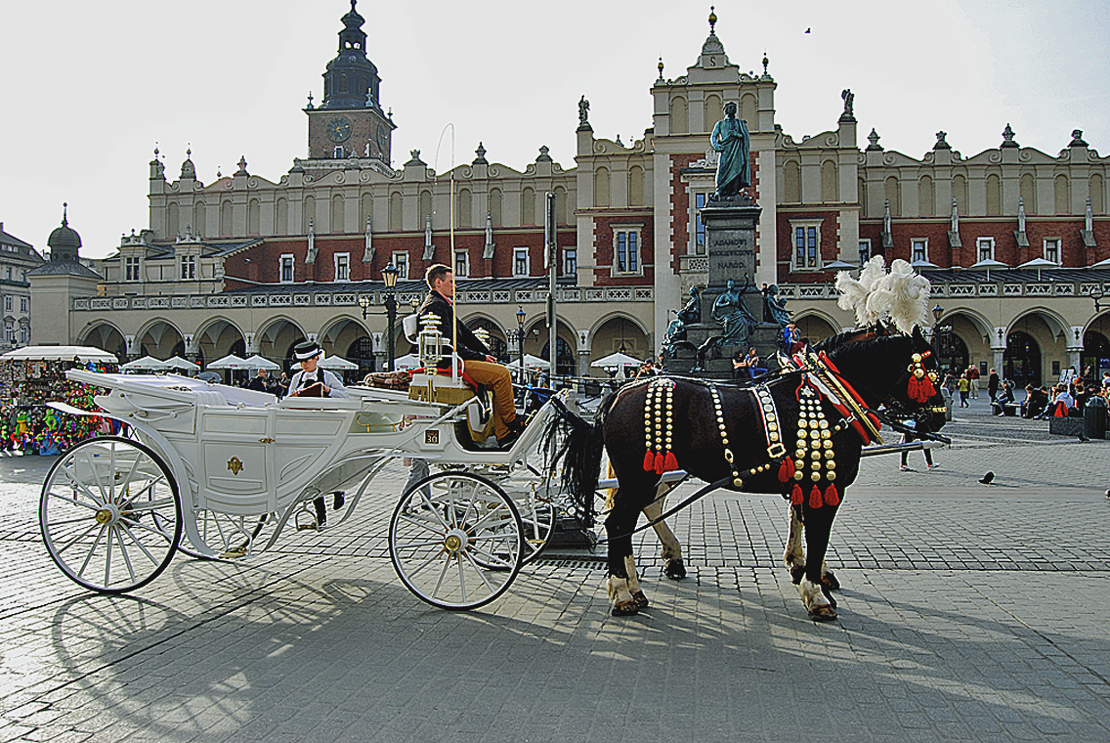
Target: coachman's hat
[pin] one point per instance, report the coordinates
(306, 350)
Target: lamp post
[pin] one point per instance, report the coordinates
(520, 318)
(1097, 295)
(389, 276)
(364, 303)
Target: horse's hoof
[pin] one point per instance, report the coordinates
(675, 569)
(640, 599)
(797, 573)
(827, 593)
(625, 609)
(823, 613)
(829, 581)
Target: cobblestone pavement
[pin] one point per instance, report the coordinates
(968, 613)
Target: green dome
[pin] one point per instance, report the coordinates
(64, 241)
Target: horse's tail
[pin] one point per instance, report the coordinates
(580, 452)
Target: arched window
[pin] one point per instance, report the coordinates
(1029, 193)
(893, 193)
(337, 213)
(495, 207)
(601, 186)
(635, 186)
(281, 217)
(395, 211)
(748, 111)
(959, 192)
(926, 197)
(994, 195)
(366, 209)
(830, 181)
(225, 219)
(308, 211)
(254, 217)
(679, 119)
(1097, 194)
(561, 205)
(792, 182)
(425, 206)
(527, 207)
(172, 227)
(713, 111)
(1063, 194)
(463, 217)
(200, 222)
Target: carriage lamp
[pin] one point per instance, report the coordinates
(389, 277)
(1097, 295)
(364, 303)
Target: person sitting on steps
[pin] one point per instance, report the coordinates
(477, 361)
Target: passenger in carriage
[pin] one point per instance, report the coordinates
(477, 361)
(307, 354)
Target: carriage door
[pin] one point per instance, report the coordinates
(238, 459)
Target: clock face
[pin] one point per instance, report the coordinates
(338, 129)
(383, 137)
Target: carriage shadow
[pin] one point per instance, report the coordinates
(323, 650)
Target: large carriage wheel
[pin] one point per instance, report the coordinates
(110, 514)
(456, 540)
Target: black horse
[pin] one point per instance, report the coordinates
(799, 435)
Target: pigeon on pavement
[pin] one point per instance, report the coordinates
(987, 479)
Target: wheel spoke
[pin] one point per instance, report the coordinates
(494, 560)
(138, 544)
(108, 559)
(104, 497)
(149, 505)
(432, 527)
(74, 501)
(79, 537)
(92, 550)
(462, 577)
(442, 575)
(481, 573)
(126, 557)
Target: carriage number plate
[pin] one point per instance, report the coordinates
(431, 436)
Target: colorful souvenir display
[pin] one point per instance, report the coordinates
(27, 425)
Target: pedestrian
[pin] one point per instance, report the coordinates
(963, 385)
(992, 384)
(907, 438)
(973, 379)
(260, 383)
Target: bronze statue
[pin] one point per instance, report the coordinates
(730, 138)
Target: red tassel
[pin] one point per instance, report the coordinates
(796, 496)
(670, 464)
(649, 461)
(786, 470)
(832, 497)
(815, 500)
(659, 459)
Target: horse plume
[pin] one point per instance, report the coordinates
(900, 297)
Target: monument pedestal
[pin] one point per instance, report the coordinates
(731, 248)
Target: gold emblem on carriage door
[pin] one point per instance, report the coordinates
(431, 436)
(234, 465)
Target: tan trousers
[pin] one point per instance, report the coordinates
(497, 378)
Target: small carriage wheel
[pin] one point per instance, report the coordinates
(456, 540)
(110, 514)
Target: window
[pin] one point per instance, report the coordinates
(188, 267)
(462, 263)
(8, 303)
(9, 273)
(131, 268)
(342, 266)
(570, 261)
(1052, 249)
(401, 263)
(919, 250)
(24, 334)
(520, 262)
(984, 249)
(23, 303)
(864, 251)
(807, 245)
(9, 333)
(628, 251)
(286, 268)
(699, 226)
(338, 153)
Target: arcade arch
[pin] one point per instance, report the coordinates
(159, 339)
(106, 337)
(620, 333)
(276, 339)
(814, 326)
(216, 339)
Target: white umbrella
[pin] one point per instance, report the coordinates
(408, 361)
(1104, 263)
(257, 362)
(921, 264)
(176, 362)
(989, 263)
(84, 354)
(1039, 263)
(531, 362)
(839, 265)
(146, 363)
(337, 362)
(231, 361)
(616, 359)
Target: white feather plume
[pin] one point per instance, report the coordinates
(900, 296)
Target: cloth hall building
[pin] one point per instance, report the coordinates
(1015, 240)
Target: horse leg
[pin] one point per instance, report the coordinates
(795, 557)
(673, 566)
(820, 605)
(638, 595)
(618, 528)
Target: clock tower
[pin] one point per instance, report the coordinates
(350, 121)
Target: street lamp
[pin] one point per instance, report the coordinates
(1097, 295)
(364, 303)
(520, 318)
(389, 276)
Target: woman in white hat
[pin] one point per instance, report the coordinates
(308, 354)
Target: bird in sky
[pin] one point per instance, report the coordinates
(987, 479)
(808, 30)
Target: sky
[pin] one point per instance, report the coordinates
(90, 89)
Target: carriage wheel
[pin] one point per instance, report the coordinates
(110, 514)
(456, 540)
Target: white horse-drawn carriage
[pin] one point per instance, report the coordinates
(220, 472)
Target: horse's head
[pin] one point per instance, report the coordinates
(895, 370)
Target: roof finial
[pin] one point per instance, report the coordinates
(712, 20)
(660, 65)
(65, 214)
